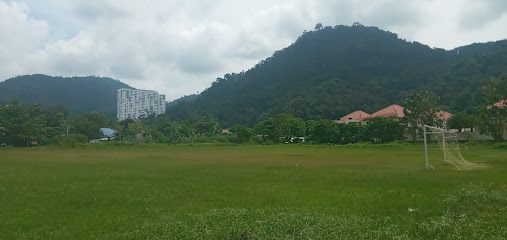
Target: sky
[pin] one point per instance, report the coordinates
(179, 47)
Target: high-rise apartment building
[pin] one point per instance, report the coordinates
(136, 103)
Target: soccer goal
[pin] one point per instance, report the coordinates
(448, 142)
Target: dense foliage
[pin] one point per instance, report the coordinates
(27, 125)
(332, 71)
(493, 111)
(289, 97)
(186, 98)
(460, 121)
(22, 125)
(77, 94)
(423, 108)
(382, 130)
(324, 74)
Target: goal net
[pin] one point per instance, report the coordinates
(448, 142)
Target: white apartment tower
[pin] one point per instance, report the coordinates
(136, 103)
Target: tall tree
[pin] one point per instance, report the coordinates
(281, 128)
(382, 130)
(288, 126)
(20, 125)
(207, 126)
(420, 109)
(350, 133)
(243, 134)
(322, 131)
(57, 117)
(493, 111)
(89, 124)
(460, 121)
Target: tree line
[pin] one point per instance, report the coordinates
(26, 125)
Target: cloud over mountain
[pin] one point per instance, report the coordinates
(179, 47)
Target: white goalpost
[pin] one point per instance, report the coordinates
(448, 142)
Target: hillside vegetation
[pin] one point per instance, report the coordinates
(324, 74)
(330, 72)
(77, 94)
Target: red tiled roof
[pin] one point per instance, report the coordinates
(443, 115)
(501, 104)
(356, 116)
(393, 111)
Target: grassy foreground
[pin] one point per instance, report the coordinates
(249, 192)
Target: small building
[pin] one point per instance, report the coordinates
(357, 116)
(394, 111)
(501, 104)
(108, 132)
(444, 116)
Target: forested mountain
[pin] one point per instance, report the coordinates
(77, 94)
(186, 98)
(332, 71)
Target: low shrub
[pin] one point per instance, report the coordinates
(71, 139)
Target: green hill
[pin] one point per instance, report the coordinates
(77, 94)
(186, 98)
(333, 71)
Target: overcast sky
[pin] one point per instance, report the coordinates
(178, 47)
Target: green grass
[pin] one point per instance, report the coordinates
(255, 192)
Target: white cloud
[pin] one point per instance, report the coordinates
(179, 47)
(19, 35)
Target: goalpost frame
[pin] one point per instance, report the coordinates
(426, 144)
(452, 153)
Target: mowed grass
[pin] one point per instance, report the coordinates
(250, 192)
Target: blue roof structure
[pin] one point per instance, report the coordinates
(108, 132)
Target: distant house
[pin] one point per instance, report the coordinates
(501, 104)
(108, 132)
(394, 111)
(357, 116)
(226, 131)
(444, 116)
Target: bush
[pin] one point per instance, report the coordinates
(69, 140)
(383, 130)
(502, 145)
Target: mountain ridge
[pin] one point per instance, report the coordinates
(326, 73)
(77, 94)
(333, 71)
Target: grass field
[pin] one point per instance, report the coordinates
(249, 192)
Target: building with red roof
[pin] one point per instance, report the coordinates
(394, 111)
(501, 104)
(444, 116)
(357, 116)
